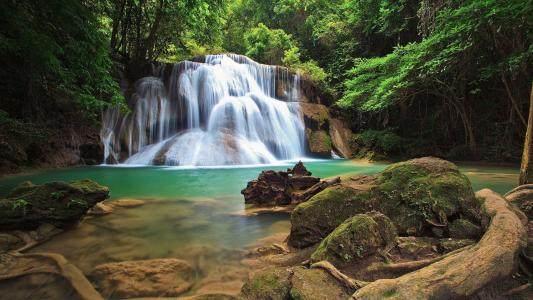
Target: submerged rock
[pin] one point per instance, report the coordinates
(277, 187)
(143, 278)
(56, 203)
(417, 195)
(357, 237)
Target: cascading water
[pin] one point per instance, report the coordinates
(225, 111)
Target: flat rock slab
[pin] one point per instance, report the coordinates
(143, 278)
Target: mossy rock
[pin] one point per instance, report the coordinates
(269, 284)
(56, 203)
(358, 237)
(464, 229)
(316, 218)
(414, 192)
(416, 195)
(316, 284)
(319, 142)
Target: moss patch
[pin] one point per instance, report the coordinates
(57, 203)
(357, 237)
(271, 283)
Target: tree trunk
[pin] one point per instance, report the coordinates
(526, 169)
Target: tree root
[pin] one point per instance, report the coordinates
(347, 281)
(406, 267)
(51, 263)
(463, 273)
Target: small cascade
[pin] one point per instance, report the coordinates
(228, 110)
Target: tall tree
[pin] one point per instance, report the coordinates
(526, 169)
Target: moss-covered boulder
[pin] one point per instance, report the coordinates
(417, 195)
(56, 203)
(269, 284)
(313, 220)
(358, 237)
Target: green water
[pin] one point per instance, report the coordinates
(192, 214)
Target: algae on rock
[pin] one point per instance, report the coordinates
(358, 237)
(57, 203)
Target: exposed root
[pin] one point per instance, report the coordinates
(50, 263)
(406, 267)
(462, 274)
(348, 282)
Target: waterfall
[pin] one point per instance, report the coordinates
(227, 110)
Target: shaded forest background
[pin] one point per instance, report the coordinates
(432, 77)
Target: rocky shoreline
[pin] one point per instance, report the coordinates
(417, 229)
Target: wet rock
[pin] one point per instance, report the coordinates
(57, 203)
(277, 187)
(144, 278)
(272, 284)
(357, 237)
(464, 229)
(416, 195)
(299, 170)
(316, 284)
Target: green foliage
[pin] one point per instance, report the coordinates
(452, 60)
(20, 204)
(55, 50)
(383, 141)
(267, 45)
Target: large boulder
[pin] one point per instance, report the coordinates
(417, 195)
(314, 219)
(57, 203)
(358, 237)
(144, 278)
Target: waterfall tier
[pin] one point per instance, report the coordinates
(224, 111)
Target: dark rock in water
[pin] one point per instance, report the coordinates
(277, 187)
(56, 203)
(299, 170)
(166, 277)
(416, 195)
(358, 237)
